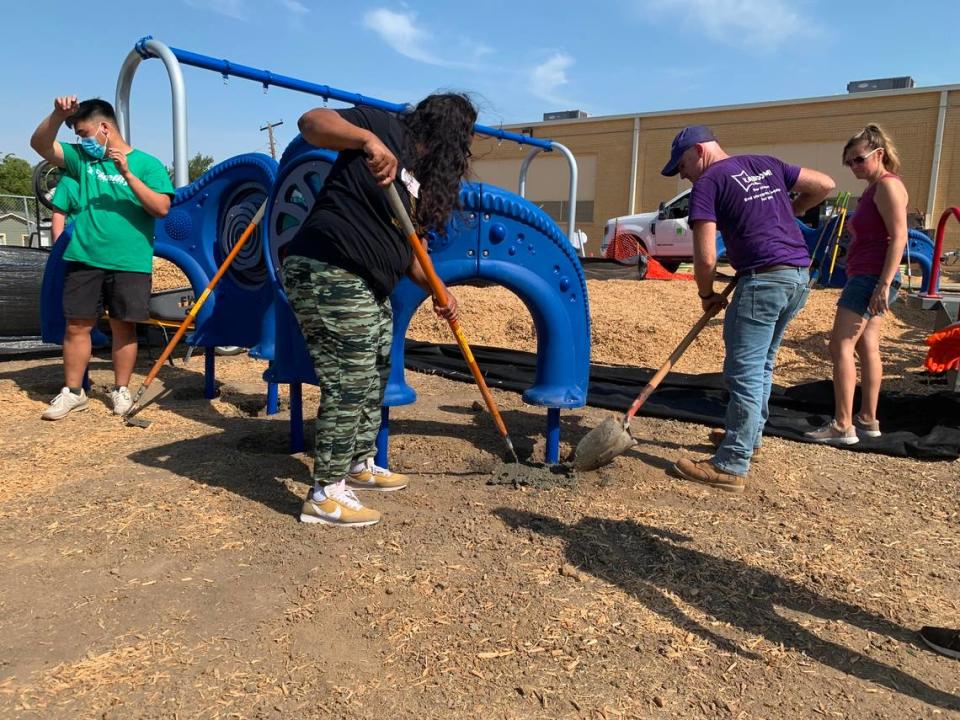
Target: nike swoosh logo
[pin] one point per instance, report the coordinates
(332, 515)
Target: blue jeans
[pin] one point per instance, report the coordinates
(752, 330)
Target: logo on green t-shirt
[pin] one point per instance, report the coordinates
(111, 229)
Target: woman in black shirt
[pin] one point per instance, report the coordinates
(343, 264)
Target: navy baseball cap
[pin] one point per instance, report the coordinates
(686, 139)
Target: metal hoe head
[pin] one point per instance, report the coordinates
(146, 395)
(602, 444)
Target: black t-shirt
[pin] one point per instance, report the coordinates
(351, 225)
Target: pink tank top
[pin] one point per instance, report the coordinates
(871, 238)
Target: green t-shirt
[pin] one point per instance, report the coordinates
(66, 198)
(111, 229)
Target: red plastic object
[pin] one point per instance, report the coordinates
(933, 287)
(625, 246)
(944, 352)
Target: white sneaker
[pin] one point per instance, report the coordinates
(337, 505)
(121, 400)
(65, 403)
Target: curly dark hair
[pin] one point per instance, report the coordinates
(440, 132)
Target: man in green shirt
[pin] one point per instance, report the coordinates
(110, 257)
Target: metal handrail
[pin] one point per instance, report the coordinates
(172, 58)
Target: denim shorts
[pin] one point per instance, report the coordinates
(858, 291)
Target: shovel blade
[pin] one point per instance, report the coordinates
(602, 444)
(150, 393)
(135, 421)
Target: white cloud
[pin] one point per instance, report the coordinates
(550, 76)
(295, 6)
(242, 9)
(236, 9)
(401, 32)
(747, 24)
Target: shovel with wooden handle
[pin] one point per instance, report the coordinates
(440, 295)
(612, 437)
(129, 417)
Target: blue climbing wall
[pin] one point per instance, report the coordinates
(205, 221)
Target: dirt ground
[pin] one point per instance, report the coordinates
(162, 573)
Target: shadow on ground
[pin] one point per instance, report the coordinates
(652, 565)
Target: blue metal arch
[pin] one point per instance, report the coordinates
(508, 241)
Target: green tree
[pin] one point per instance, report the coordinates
(196, 166)
(15, 176)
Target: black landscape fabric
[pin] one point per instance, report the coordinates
(916, 426)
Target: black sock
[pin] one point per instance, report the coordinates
(76, 391)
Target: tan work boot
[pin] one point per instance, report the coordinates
(717, 435)
(707, 473)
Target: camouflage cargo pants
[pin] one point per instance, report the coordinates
(348, 334)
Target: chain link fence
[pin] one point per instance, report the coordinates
(19, 221)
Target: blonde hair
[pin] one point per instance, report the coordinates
(874, 137)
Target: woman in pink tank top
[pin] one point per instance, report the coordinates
(879, 228)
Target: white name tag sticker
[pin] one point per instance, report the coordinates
(412, 184)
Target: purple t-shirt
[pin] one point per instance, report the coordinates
(748, 197)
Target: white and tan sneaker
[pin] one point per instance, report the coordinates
(867, 428)
(122, 402)
(833, 434)
(336, 505)
(64, 404)
(371, 476)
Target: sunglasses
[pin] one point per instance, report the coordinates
(859, 159)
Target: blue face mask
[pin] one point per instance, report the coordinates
(92, 148)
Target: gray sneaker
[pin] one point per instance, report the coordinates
(64, 404)
(121, 400)
(833, 434)
(866, 429)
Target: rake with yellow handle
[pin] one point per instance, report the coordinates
(128, 416)
(816, 266)
(836, 244)
(440, 296)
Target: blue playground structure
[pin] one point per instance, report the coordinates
(498, 236)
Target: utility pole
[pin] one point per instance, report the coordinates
(269, 128)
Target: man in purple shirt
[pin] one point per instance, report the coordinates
(746, 198)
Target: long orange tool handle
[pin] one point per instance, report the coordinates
(440, 294)
(674, 356)
(198, 303)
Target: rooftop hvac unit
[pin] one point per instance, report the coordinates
(565, 115)
(894, 83)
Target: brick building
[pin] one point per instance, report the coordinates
(620, 157)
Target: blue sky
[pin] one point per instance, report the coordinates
(604, 57)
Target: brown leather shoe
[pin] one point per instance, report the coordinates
(707, 473)
(717, 435)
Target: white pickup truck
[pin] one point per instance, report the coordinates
(664, 234)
